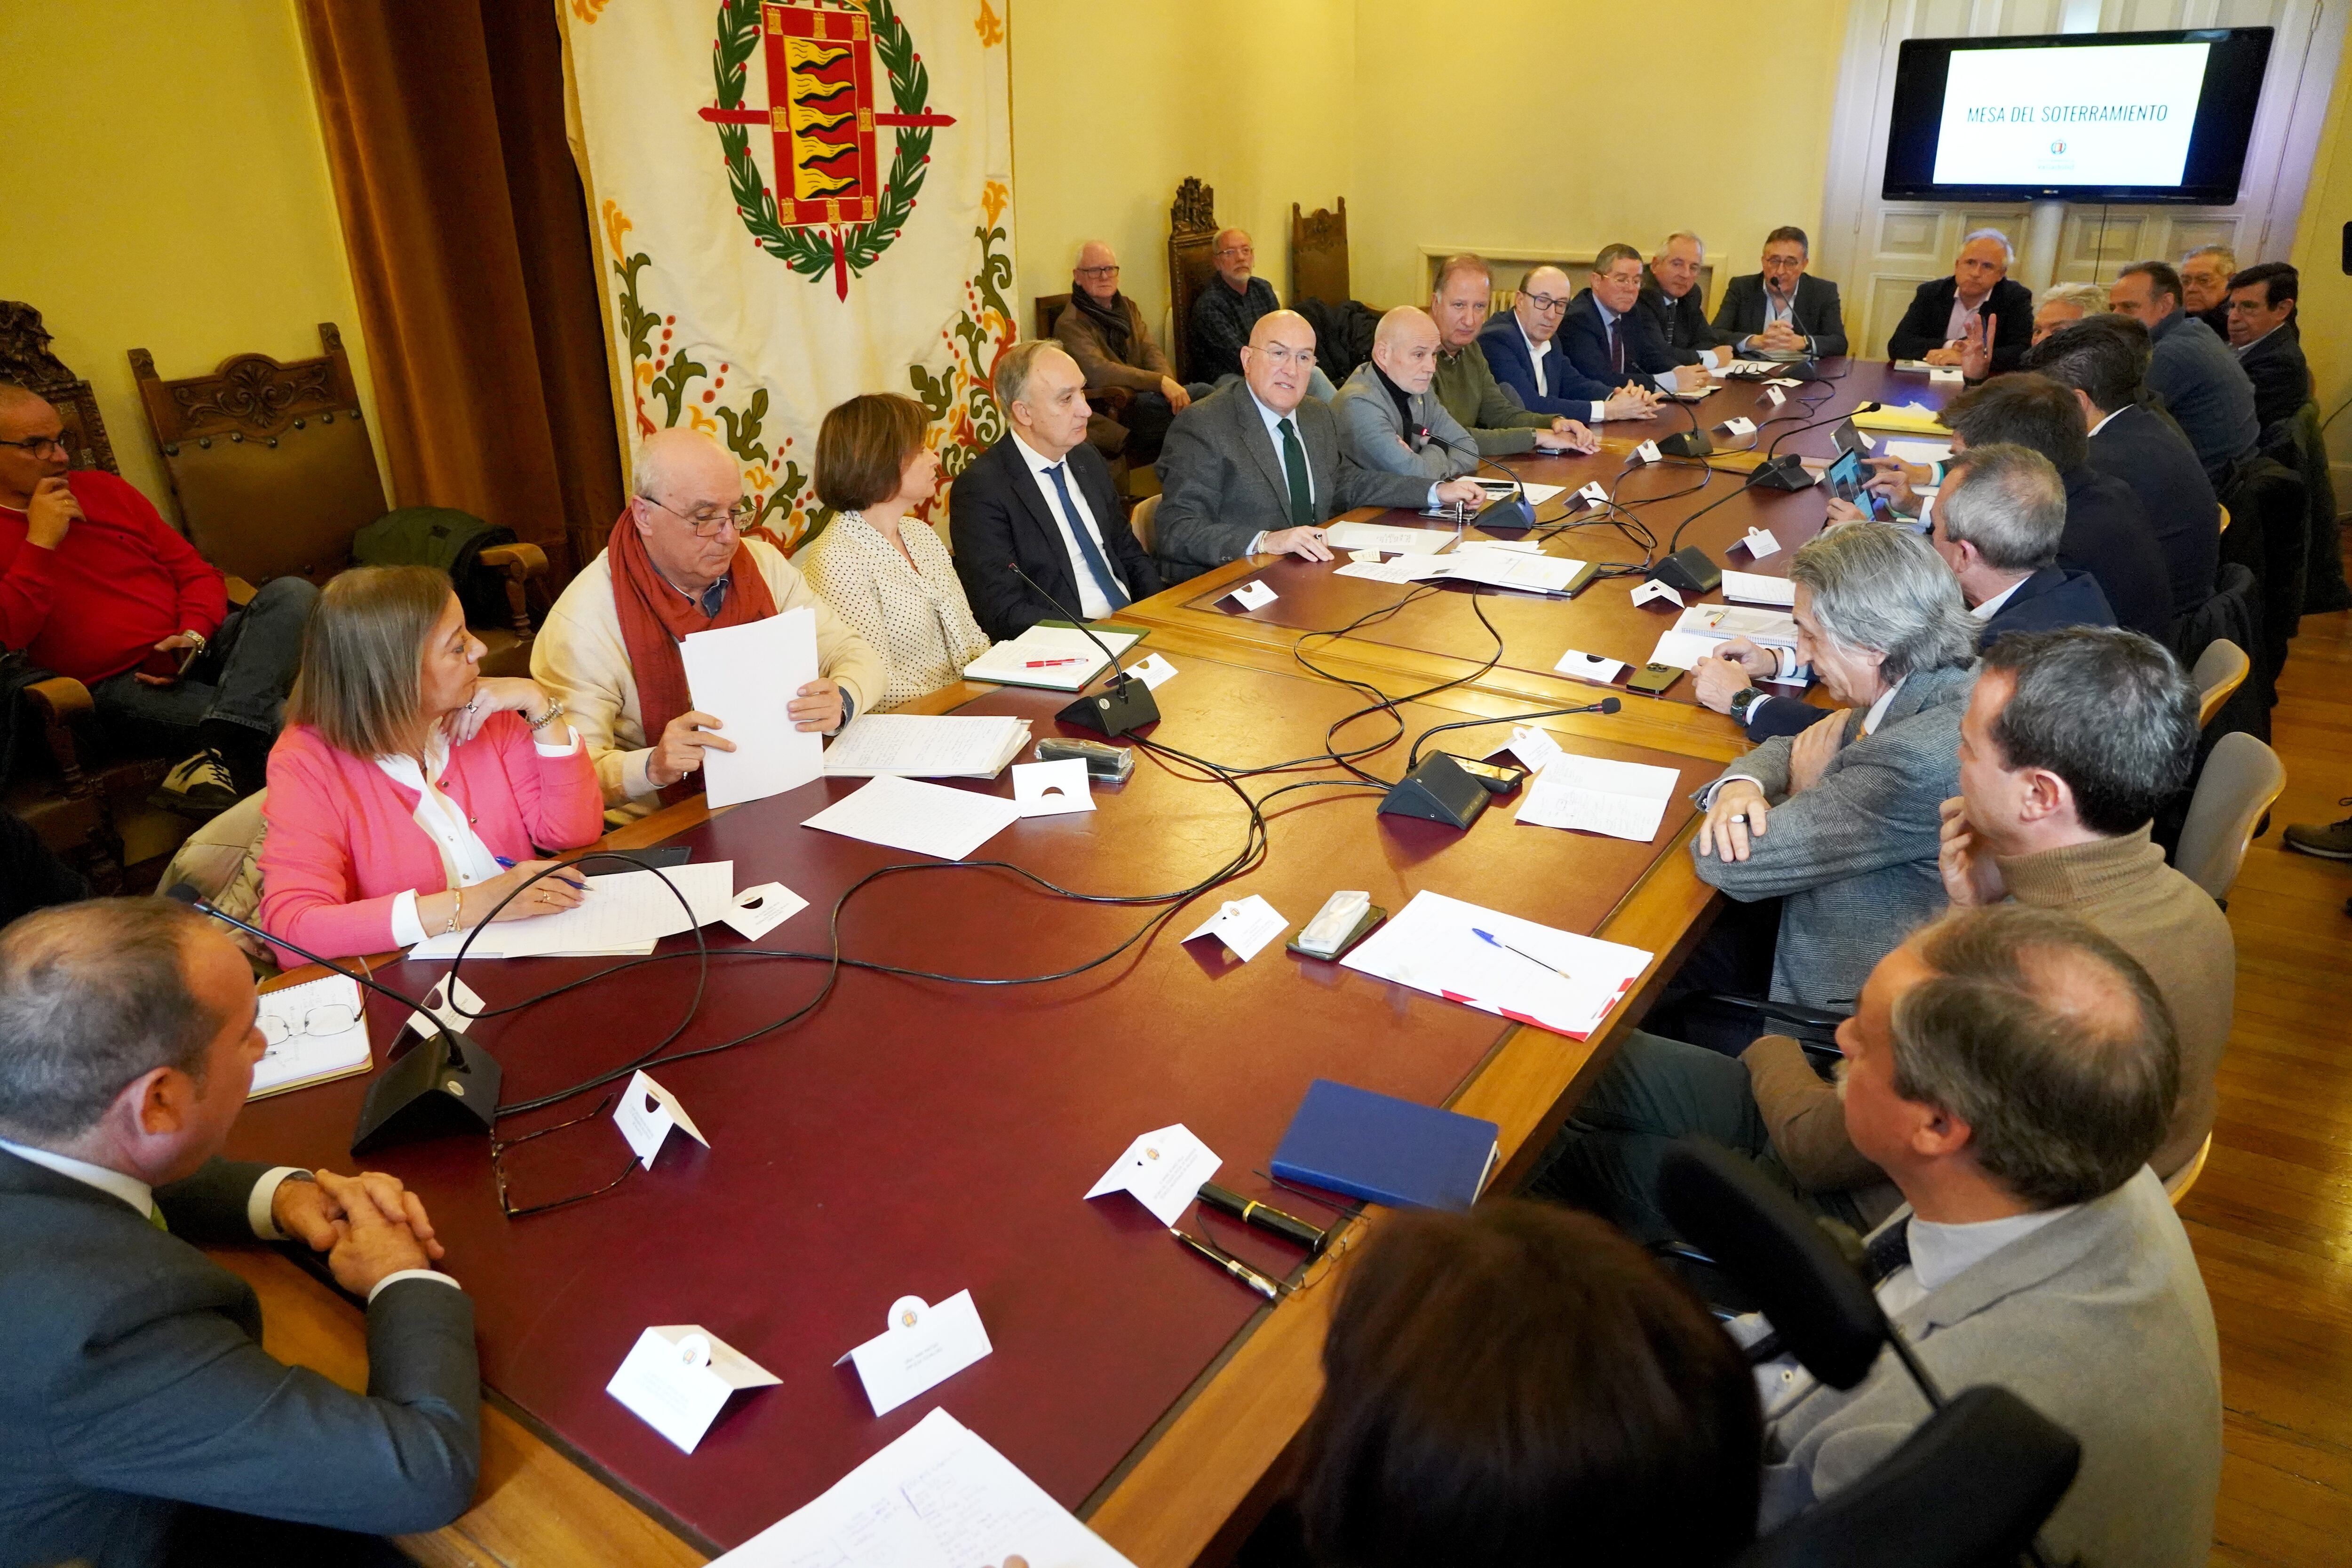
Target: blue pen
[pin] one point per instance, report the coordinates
(503, 861)
(1494, 941)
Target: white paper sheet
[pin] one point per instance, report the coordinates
(1916, 451)
(1539, 494)
(926, 745)
(1594, 794)
(1404, 569)
(312, 1056)
(1430, 946)
(1244, 925)
(625, 912)
(1387, 537)
(1509, 568)
(760, 909)
(745, 676)
(928, 818)
(1755, 588)
(1725, 622)
(1684, 649)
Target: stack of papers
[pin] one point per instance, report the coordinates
(1907, 416)
(1916, 451)
(1501, 568)
(1755, 588)
(308, 1059)
(930, 819)
(926, 746)
(1387, 537)
(1556, 979)
(1035, 658)
(624, 914)
(1704, 627)
(1404, 569)
(1592, 794)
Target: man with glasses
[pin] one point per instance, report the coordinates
(677, 563)
(1104, 331)
(1522, 349)
(96, 585)
(1676, 305)
(1228, 310)
(1609, 340)
(1782, 308)
(2205, 274)
(1497, 421)
(2203, 385)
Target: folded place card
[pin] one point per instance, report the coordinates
(1365, 557)
(1648, 452)
(1163, 1170)
(1585, 667)
(1535, 748)
(919, 1347)
(1760, 543)
(1946, 375)
(760, 909)
(1740, 426)
(676, 1379)
(1252, 595)
(1645, 592)
(1052, 789)
(451, 1005)
(1152, 669)
(1774, 395)
(1784, 381)
(646, 1114)
(1244, 925)
(1596, 492)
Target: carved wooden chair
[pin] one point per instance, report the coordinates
(1191, 240)
(1318, 255)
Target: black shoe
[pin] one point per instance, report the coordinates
(200, 788)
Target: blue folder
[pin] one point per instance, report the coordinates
(1386, 1150)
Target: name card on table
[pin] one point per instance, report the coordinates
(1589, 666)
(1153, 670)
(1052, 789)
(1946, 375)
(1596, 492)
(1243, 925)
(1163, 1170)
(921, 1346)
(1760, 543)
(1252, 595)
(1535, 748)
(760, 909)
(1648, 452)
(1740, 426)
(451, 1005)
(676, 1379)
(1774, 395)
(645, 1115)
(1653, 589)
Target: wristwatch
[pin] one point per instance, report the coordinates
(1743, 702)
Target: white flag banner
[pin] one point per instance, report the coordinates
(799, 203)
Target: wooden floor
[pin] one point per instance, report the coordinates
(2272, 1217)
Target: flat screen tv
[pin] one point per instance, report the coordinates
(2077, 116)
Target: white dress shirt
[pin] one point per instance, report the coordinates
(1964, 316)
(1538, 353)
(1093, 603)
(1992, 606)
(463, 857)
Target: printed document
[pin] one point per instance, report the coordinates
(745, 676)
(1035, 658)
(927, 745)
(1387, 537)
(1556, 979)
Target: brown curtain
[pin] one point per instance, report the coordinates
(469, 248)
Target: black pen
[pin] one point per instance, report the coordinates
(1265, 1217)
(1232, 1266)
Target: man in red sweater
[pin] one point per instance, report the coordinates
(96, 585)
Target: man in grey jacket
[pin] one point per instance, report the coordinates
(2012, 1071)
(140, 1417)
(1388, 417)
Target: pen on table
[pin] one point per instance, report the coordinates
(1049, 663)
(1494, 941)
(1232, 1266)
(1265, 1217)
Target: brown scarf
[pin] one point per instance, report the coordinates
(654, 616)
(1109, 319)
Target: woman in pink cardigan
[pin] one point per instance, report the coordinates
(407, 792)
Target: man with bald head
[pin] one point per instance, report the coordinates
(1497, 421)
(1977, 304)
(1258, 468)
(1229, 307)
(1521, 346)
(1388, 419)
(1104, 331)
(96, 585)
(1676, 305)
(677, 563)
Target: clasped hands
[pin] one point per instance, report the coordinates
(369, 1226)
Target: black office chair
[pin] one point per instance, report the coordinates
(1968, 1490)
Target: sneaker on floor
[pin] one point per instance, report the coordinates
(199, 787)
(2330, 841)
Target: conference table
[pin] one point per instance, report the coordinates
(931, 1126)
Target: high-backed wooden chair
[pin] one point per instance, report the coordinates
(1318, 255)
(1191, 242)
(26, 359)
(1046, 310)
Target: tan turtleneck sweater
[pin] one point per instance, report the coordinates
(2122, 889)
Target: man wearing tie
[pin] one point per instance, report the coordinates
(1676, 305)
(1522, 349)
(1609, 339)
(1257, 469)
(1782, 308)
(1043, 496)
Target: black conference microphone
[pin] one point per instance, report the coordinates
(1779, 473)
(1694, 443)
(1438, 788)
(448, 1084)
(1125, 705)
(1517, 503)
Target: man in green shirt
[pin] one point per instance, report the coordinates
(1490, 411)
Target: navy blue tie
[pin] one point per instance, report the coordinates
(1104, 578)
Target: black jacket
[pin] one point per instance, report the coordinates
(2281, 375)
(1584, 338)
(2146, 450)
(996, 514)
(2107, 535)
(1818, 314)
(2011, 304)
(1682, 324)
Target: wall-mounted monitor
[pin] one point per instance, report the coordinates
(2077, 116)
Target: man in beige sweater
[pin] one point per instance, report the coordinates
(2071, 740)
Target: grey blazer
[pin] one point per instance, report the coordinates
(1222, 484)
(1372, 432)
(2099, 1320)
(1852, 859)
(132, 1380)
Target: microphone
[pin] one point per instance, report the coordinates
(1779, 473)
(1516, 501)
(447, 1085)
(1440, 789)
(1695, 444)
(1125, 705)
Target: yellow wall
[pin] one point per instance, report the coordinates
(169, 190)
(2325, 307)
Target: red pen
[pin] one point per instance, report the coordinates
(1045, 663)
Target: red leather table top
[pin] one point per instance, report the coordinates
(915, 1137)
(1601, 619)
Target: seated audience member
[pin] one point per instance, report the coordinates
(405, 782)
(96, 585)
(1218, 500)
(1838, 826)
(881, 567)
(1676, 305)
(1041, 496)
(2205, 274)
(2269, 346)
(1783, 308)
(2021, 1074)
(1520, 1384)
(1388, 419)
(1947, 313)
(30, 877)
(2062, 305)
(1104, 331)
(2104, 360)
(1465, 382)
(143, 1422)
(1607, 337)
(2204, 388)
(1227, 311)
(675, 563)
(1521, 348)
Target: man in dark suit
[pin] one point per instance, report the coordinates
(1041, 495)
(1676, 305)
(1522, 349)
(140, 1416)
(1947, 313)
(1609, 340)
(2103, 359)
(1783, 308)
(2268, 344)
(2203, 386)
(1258, 468)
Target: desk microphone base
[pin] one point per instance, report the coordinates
(443, 1086)
(1687, 444)
(1439, 790)
(1118, 709)
(1786, 472)
(1688, 571)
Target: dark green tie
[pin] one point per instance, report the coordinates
(156, 1218)
(1294, 469)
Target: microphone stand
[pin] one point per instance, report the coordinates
(1779, 473)
(1126, 704)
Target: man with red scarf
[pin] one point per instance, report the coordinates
(676, 564)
